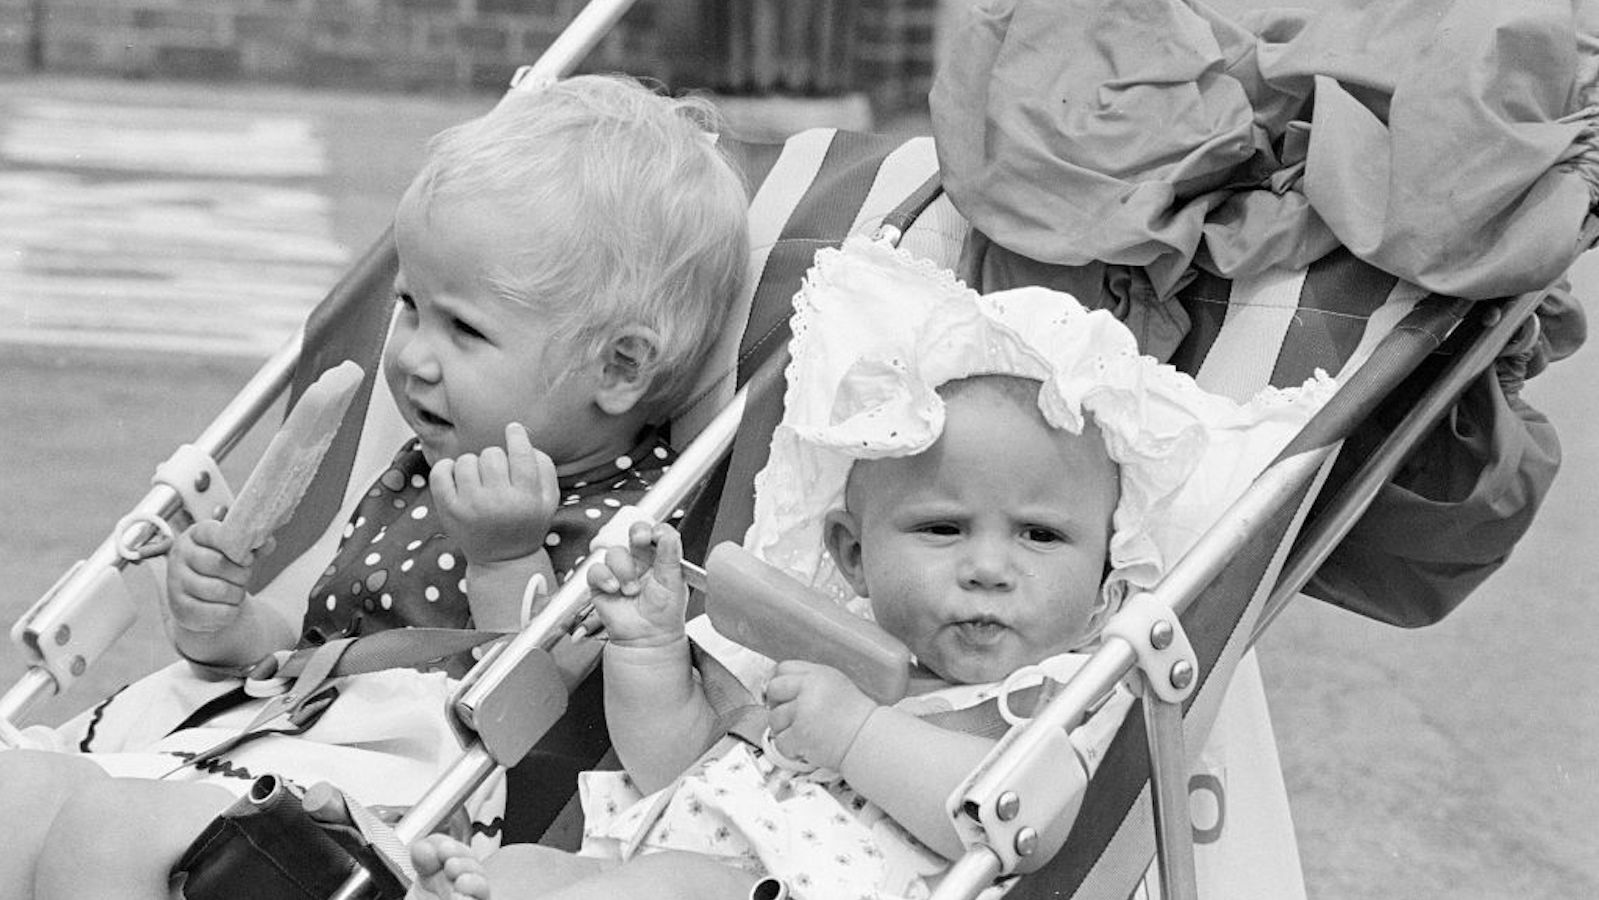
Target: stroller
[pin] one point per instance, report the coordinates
(1214, 602)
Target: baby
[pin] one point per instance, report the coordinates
(564, 262)
(987, 477)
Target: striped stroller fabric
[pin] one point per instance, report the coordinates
(1285, 324)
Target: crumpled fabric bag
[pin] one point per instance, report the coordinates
(1449, 518)
(1449, 142)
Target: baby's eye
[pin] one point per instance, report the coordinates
(466, 329)
(940, 529)
(1038, 534)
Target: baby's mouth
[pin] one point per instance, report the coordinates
(979, 632)
(430, 419)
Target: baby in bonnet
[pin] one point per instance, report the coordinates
(986, 478)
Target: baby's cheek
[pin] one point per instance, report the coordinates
(393, 371)
(894, 617)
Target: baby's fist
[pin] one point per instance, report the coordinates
(497, 504)
(815, 711)
(639, 591)
(205, 588)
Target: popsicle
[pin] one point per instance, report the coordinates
(284, 472)
(762, 608)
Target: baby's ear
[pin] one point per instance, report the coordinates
(627, 368)
(841, 534)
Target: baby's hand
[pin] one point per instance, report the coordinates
(205, 589)
(815, 712)
(639, 589)
(497, 505)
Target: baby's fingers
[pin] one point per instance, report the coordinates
(199, 550)
(602, 580)
(780, 716)
(493, 469)
(529, 466)
(668, 564)
(783, 687)
(616, 573)
(441, 481)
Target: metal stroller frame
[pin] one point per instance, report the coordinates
(1009, 797)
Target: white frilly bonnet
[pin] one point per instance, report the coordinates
(876, 330)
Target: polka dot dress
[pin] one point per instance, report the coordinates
(396, 568)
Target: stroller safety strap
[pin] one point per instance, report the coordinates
(393, 649)
(300, 686)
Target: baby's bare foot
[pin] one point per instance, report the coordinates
(447, 870)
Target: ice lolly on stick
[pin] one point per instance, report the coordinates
(762, 608)
(284, 472)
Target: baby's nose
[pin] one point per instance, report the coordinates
(414, 357)
(988, 566)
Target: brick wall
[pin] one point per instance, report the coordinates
(16, 36)
(894, 48)
(404, 44)
(433, 44)
(884, 48)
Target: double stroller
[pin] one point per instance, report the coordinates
(1402, 353)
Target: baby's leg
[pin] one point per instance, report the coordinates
(449, 871)
(118, 838)
(671, 875)
(33, 788)
(529, 871)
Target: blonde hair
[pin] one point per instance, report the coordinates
(633, 216)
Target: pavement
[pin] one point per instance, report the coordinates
(157, 240)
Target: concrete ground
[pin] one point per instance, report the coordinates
(1459, 761)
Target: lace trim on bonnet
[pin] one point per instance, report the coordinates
(876, 330)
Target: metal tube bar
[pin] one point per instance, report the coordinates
(972, 874)
(585, 31)
(446, 795)
(1168, 781)
(252, 401)
(1237, 527)
(34, 685)
(354, 887)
